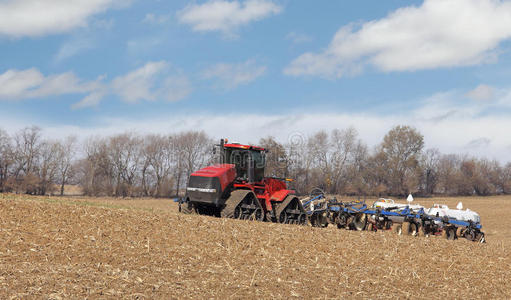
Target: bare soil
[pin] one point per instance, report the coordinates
(56, 248)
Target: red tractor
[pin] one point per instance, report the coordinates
(237, 188)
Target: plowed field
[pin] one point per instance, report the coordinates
(61, 248)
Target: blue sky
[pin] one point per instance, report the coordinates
(247, 69)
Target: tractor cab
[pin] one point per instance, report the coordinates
(249, 160)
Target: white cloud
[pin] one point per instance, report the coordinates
(138, 85)
(91, 100)
(439, 33)
(175, 88)
(20, 18)
(31, 83)
(482, 92)
(151, 82)
(479, 143)
(73, 47)
(444, 106)
(18, 84)
(226, 16)
(484, 100)
(229, 76)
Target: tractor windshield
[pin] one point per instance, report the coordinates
(245, 161)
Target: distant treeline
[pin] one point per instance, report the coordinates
(159, 165)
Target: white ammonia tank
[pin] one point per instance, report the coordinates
(384, 203)
(458, 214)
(387, 203)
(438, 210)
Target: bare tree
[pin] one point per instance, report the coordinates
(124, 154)
(276, 157)
(486, 178)
(299, 163)
(401, 149)
(318, 162)
(96, 175)
(66, 151)
(429, 165)
(6, 158)
(194, 150)
(344, 145)
(27, 149)
(466, 177)
(506, 179)
(25, 156)
(158, 161)
(178, 156)
(448, 166)
(356, 171)
(376, 174)
(48, 166)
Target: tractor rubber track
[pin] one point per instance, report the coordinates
(234, 200)
(284, 205)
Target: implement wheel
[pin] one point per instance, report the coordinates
(449, 233)
(470, 235)
(460, 231)
(359, 223)
(388, 225)
(323, 220)
(397, 228)
(414, 229)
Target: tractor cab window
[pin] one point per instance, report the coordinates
(259, 163)
(258, 157)
(246, 162)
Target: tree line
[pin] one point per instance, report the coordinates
(339, 162)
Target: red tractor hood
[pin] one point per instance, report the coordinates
(226, 173)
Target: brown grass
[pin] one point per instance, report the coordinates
(81, 247)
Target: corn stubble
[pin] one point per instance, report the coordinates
(61, 250)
